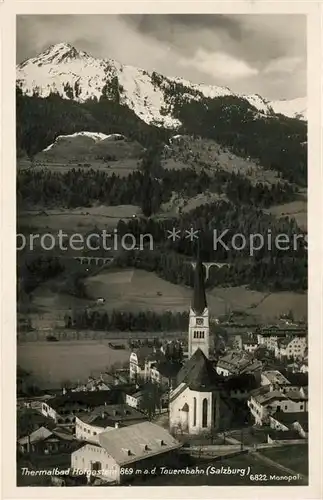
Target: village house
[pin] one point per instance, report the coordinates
(134, 399)
(237, 363)
(290, 343)
(297, 380)
(151, 364)
(280, 347)
(239, 387)
(89, 425)
(250, 343)
(298, 399)
(137, 447)
(64, 408)
(141, 361)
(46, 441)
(274, 379)
(297, 421)
(296, 348)
(265, 401)
(104, 382)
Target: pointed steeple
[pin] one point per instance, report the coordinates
(199, 297)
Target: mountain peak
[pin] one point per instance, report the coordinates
(56, 54)
(74, 74)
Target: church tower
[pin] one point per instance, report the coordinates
(198, 332)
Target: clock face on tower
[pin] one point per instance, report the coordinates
(199, 321)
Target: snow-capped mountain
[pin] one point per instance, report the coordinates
(294, 108)
(76, 75)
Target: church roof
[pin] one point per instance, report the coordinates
(168, 369)
(199, 297)
(198, 373)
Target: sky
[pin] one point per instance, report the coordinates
(251, 54)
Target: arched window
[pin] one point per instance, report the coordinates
(204, 413)
(194, 412)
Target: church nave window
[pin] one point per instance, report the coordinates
(194, 412)
(204, 412)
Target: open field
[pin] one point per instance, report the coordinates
(128, 290)
(76, 220)
(51, 363)
(276, 304)
(120, 167)
(137, 290)
(264, 305)
(201, 153)
(294, 457)
(294, 210)
(171, 207)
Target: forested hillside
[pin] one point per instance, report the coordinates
(277, 143)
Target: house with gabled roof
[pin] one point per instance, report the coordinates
(89, 425)
(46, 441)
(121, 452)
(290, 421)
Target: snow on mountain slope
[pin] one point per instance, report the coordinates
(72, 73)
(294, 108)
(76, 75)
(95, 136)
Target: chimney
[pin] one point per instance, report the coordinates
(64, 391)
(116, 425)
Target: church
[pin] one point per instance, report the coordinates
(196, 402)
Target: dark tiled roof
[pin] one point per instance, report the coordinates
(297, 379)
(245, 381)
(108, 415)
(296, 396)
(289, 418)
(238, 362)
(199, 297)
(143, 353)
(137, 442)
(91, 398)
(168, 369)
(199, 373)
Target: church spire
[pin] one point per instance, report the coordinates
(199, 297)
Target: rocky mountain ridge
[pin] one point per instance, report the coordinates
(154, 98)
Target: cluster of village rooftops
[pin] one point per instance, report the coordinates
(106, 425)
